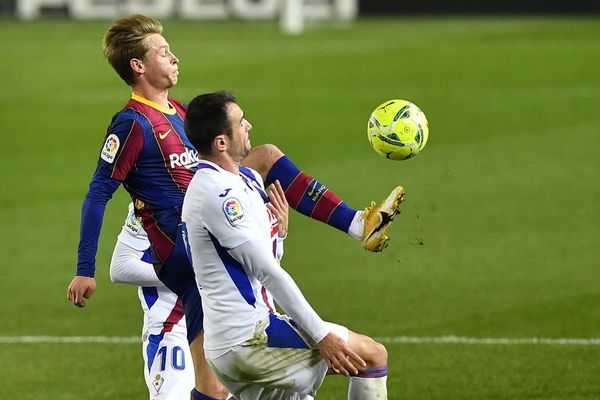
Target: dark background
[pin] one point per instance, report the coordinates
(386, 7)
(415, 7)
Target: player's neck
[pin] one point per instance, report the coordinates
(158, 96)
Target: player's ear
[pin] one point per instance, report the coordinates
(220, 143)
(136, 65)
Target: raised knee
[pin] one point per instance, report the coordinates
(375, 354)
(381, 354)
(262, 158)
(268, 152)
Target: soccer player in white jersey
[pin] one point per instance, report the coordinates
(168, 368)
(231, 237)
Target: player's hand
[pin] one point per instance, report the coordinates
(339, 357)
(279, 206)
(81, 288)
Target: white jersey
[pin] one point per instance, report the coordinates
(168, 368)
(223, 213)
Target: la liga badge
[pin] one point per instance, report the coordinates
(233, 210)
(109, 151)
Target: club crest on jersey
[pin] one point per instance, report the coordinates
(109, 151)
(233, 210)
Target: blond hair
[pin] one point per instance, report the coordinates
(126, 39)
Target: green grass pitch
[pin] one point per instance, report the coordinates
(499, 235)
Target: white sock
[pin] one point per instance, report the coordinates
(367, 388)
(357, 226)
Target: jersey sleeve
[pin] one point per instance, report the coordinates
(130, 262)
(122, 146)
(92, 213)
(128, 265)
(279, 252)
(255, 255)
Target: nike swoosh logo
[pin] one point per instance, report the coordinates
(311, 190)
(164, 134)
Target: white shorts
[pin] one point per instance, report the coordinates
(287, 367)
(168, 368)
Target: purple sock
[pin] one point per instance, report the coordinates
(377, 372)
(196, 395)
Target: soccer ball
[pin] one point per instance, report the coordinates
(397, 129)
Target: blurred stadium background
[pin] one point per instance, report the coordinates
(498, 242)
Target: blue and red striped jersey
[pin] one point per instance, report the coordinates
(146, 150)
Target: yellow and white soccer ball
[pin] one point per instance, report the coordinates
(398, 129)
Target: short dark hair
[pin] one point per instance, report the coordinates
(206, 118)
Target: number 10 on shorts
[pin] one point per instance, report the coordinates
(176, 357)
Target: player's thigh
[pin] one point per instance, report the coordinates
(168, 367)
(270, 373)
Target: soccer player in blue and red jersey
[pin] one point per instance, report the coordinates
(147, 151)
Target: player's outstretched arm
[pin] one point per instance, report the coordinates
(256, 256)
(81, 288)
(83, 284)
(339, 357)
